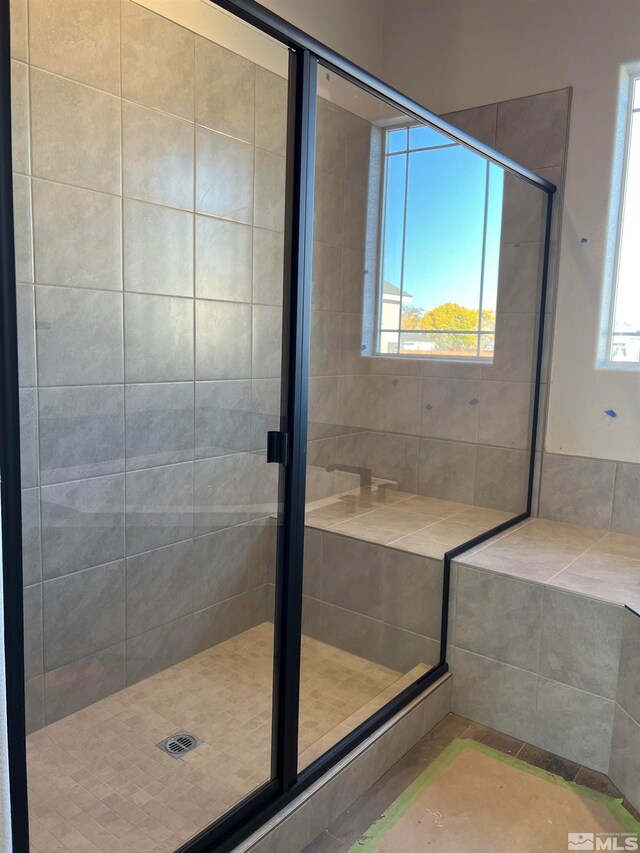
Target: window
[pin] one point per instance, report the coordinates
(623, 345)
(440, 248)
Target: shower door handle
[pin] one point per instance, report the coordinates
(278, 447)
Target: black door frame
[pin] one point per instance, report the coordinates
(10, 489)
(286, 782)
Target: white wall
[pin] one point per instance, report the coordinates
(455, 54)
(352, 27)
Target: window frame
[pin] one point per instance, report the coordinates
(472, 358)
(630, 77)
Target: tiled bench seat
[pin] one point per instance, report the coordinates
(407, 522)
(373, 570)
(544, 639)
(585, 560)
(545, 643)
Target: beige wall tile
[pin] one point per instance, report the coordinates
(505, 414)
(268, 266)
(223, 260)
(157, 157)
(267, 341)
(395, 402)
(523, 212)
(223, 340)
(326, 292)
(325, 342)
(19, 31)
(450, 409)
(574, 724)
(20, 116)
(79, 39)
(329, 209)
(269, 193)
(323, 406)
(22, 228)
(225, 90)
(72, 348)
(355, 216)
(157, 61)
(158, 249)
(624, 767)
(84, 682)
(626, 499)
(354, 401)
(501, 478)
(158, 338)
(437, 460)
(357, 150)
(479, 122)
(224, 176)
(577, 490)
(76, 236)
(75, 133)
(271, 111)
(26, 335)
(495, 694)
(34, 700)
(330, 138)
(533, 130)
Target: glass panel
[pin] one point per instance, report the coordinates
(348, 667)
(410, 451)
(150, 513)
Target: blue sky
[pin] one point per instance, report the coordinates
(444, 228)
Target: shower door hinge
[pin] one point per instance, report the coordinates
(278, 447)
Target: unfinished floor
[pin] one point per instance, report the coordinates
(348, 829)
(98, 782)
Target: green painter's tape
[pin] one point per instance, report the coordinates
(401, 806)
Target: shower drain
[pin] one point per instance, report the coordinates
(179, 743)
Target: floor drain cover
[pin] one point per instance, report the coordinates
(179, 743)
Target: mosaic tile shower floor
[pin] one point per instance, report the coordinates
(98, 782)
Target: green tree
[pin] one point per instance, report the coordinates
(450, 316)
(411, 317)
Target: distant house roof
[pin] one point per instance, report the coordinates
(392, 290)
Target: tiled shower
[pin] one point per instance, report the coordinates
(149, 366)
(150, 193)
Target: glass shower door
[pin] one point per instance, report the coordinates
(149, 162)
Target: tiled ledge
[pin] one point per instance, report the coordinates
(408, 522)
(583, 560)
(309, 814)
